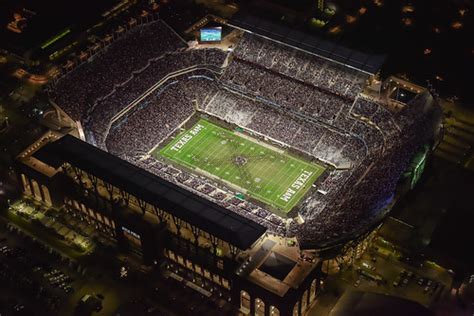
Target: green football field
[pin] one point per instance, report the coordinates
(251, 167)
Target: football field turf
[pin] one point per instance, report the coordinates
(259, 170)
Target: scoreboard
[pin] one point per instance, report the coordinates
(210, 34)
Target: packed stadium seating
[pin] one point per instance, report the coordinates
(284, 90)
(113, 66)
(155, 117)
(302, 66)
(101, 112)
(145, 86)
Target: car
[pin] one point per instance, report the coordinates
(368, 266)
(429, 283)
(60, 277)
(395, 283)
(421, 281)
(55, 278)
(405, 281)
(426, 290)
(52, 274)
(357, 283)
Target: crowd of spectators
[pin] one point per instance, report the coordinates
(156, 116)
(377, 114)
(372, 184)
(303, 66)
(372, 140)
(314, 139)
(130, 100)
(82, 87)
(99, 89)
(98, 118)
(284, 90)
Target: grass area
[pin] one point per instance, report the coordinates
(265, 173)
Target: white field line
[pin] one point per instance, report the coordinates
(198, 148)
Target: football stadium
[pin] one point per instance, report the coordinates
(262, 153)
(278, 96)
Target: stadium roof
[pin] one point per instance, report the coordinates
(367, 63)
(181, 203)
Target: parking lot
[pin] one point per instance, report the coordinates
(39, 279)
(32, 273)
(421, 281)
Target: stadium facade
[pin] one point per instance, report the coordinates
(141, 90)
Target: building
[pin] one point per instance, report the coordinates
(209, 246)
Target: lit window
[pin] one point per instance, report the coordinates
(99, 218)
(225, 283)
(106, 220)
(216, 278)
(189, 264)
(304, 301)
(198, 269)
(295, 309)
(274, 311)
(244, 302)
(259, 307)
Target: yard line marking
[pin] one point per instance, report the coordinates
(210, 153)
